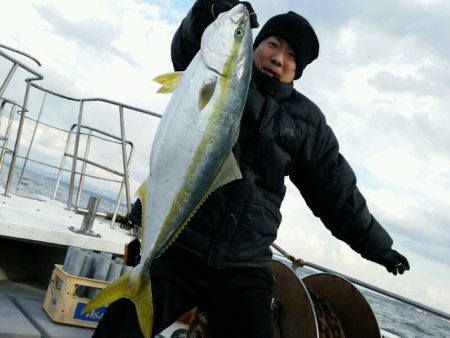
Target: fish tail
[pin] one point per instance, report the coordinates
(137, 289)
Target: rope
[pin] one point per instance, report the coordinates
(328, 323)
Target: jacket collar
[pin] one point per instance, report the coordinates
(271, 86)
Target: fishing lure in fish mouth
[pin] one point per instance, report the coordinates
(192, 151)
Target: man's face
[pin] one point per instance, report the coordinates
(275, 57)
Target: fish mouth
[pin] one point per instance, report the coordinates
(238, 13)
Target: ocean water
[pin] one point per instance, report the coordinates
(406, 320)
(392, 315)
(44, 185)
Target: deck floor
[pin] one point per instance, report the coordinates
(44, 220)
(22, 315)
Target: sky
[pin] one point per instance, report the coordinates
(382, 80)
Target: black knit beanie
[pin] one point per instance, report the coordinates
(298, 32)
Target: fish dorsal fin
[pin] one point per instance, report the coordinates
(206, 92)
(228, 172)
(168, 81)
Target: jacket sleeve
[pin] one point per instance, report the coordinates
(328, 185)
(186, 41)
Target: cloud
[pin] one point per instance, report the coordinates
(427, 80)
(382, 83)
(93, 34)
(97, 49)
(414, 222)
(381, 80)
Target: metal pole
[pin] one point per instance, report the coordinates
(124, 159)
(75, 157)
(88, 219)
(296, 262)
(8, 78)
(360, 283)
(21, 53)
(18, 138)
(63, 162)
(83, 168)
(2, 105)
(119, 197)
(32, 140)
(5, 138)
(126, 166)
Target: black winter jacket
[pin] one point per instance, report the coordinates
(282, 133)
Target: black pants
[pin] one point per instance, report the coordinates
(237, 300)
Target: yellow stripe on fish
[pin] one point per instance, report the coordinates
(192, 151)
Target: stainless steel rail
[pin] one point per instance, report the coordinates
(125, 159)
(126, 155)
(298, 262)
(5, 138)
(32, 138)
(37, 76)
(121, 106)
(21, 53)
(86, 161)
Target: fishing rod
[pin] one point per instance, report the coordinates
(298, 262)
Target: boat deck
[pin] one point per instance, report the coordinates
(22, 315)
(43, 220)
(34, 235)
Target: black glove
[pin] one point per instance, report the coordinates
(394, 262)
(220, 6)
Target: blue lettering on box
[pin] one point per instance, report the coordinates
(91, 316)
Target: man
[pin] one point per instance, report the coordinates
(221, 261)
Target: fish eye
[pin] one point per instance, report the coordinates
(239, 32)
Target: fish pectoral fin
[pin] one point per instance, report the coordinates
(137, 290)
(164, 90)
(228, 172)
(168, 81)
(206, 92)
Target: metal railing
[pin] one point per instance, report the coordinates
(126, 156)
(85, 160)
(5, 138)
(37, 76)
(77, 130)
(298, 262)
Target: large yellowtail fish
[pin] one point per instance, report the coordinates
(191, 154)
